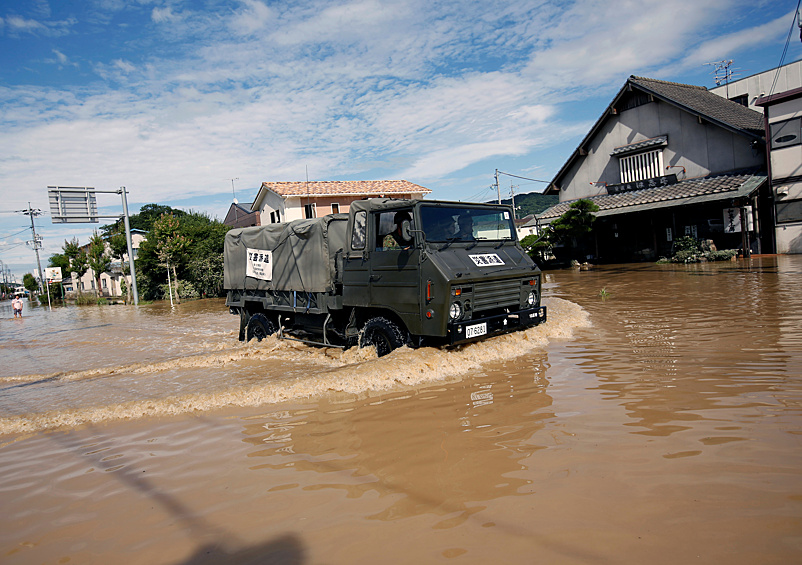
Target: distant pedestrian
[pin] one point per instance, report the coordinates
(16, 304)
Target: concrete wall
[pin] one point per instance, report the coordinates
(788, 77)
(786, 163)
(701, 148)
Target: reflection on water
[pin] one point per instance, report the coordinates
(471, 456)
(665, 431)
(680, 344)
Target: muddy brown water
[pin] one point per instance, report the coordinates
(658, 422)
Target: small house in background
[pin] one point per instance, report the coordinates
(241, 216)
(278, 202)
(666, 160)
(110, 281)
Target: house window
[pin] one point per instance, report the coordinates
(310, 211)
(743, 100)
(335, 208)
(785, 134)
(642, 166)
(790, 211)
(275, 217)
(104, 282)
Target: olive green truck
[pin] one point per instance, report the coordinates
(388, 273)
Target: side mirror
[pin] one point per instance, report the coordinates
(406, 230)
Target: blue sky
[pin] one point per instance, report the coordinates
(173, 99)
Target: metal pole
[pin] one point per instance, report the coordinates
(498, 190)
(31, 212)
(130, 247)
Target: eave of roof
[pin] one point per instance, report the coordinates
(779, 97)
(691, 191)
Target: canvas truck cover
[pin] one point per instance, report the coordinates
(301, 255)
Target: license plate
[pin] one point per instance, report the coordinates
(476, 330)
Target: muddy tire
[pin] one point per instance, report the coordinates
(383, 334)
(259, 327)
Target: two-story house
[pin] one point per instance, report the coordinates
(667, 160)
(286, 201)
(783, 113)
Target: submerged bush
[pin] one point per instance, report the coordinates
(723, 255)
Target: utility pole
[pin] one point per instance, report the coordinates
(498, 190)
(37, 240)
(512, 195)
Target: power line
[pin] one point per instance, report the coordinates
(525, 178)
(785, 49)
(13, 234)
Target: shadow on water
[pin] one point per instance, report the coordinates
(284, 550)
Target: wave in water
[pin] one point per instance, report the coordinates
(324, 371)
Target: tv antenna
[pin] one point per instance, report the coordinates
(722, 73)
(234, 194)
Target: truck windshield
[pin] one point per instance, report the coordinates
(456, 224)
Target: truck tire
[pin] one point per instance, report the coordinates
(259, 327)
(383, 334)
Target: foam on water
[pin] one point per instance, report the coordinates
(354, 371)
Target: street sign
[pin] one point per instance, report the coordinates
(53, 274)
(70, 204)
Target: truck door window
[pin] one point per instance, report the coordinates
(358, 235)
(389, 232)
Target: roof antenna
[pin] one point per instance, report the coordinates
(723, 74)
(234, 194)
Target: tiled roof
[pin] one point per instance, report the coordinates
(691, 191)
(638, 145)
(705, 103)
(354, 187)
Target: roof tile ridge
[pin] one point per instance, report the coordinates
(697, 87)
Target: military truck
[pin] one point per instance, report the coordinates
(389, 273)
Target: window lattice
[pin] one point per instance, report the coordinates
(642, 166)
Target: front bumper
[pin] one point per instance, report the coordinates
(458, 332)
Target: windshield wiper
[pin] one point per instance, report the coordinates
(475, 243)
(449, 241)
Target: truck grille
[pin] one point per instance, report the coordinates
(496, 294)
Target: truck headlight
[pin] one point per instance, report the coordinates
(455, 312)
(531, 299)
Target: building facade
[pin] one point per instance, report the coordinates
(748, 90)
(667, 160)
(783, 113)
(279, 202)
(241, 216)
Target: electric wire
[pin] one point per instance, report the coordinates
(785, 49)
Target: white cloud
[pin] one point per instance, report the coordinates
(729, 45)
(163, 15)
(253, 17)
(419, 89)
(16, 23)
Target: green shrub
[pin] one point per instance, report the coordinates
(686, 243)
(686, 256)
(723, 255)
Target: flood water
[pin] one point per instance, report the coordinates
(655, 418)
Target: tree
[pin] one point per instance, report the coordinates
(98, 258)
(573, 227)
(29, 282)
(170, 245)
(79, 262)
